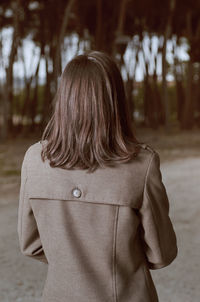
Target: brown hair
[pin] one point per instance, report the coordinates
(91, 125)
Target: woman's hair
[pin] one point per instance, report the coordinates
(91, 124)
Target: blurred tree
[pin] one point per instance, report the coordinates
(17, 16)
(127, 27)
(57, 60)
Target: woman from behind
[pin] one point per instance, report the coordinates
(92, 202)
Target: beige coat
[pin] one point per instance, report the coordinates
(99, 233)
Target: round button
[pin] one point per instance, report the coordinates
(76, 192)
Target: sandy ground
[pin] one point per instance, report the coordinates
(22, 278)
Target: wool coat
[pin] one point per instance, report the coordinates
(99, 233)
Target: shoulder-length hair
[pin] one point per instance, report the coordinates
(91, 124)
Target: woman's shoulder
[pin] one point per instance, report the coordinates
(139, 162)
(146, 150)
(146, 154)
(32, 154)
(147, 147)
(35, 147)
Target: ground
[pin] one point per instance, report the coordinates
(22, 278)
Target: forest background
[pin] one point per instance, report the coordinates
(159, 40)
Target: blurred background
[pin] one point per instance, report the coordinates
(156, 45)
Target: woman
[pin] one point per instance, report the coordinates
(92, 202)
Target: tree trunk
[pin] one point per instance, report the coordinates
(164, 83)
(47, 104)
(130, 83)
(3, 102)
(148, 105)
(149, 110)
(166, 36)
(119, 31)
(180, 96)
(188, 112)
(27, 90)
(98, 34)
(34, 100)
(156, 97)
(64, 24)
(8, 93)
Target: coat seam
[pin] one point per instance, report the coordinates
(147, 171)
(146, 175)
(156, 224)
(153, 212)
(147, 281)
(22, 210)
(24, 188)
(83, 201)
(114, 281)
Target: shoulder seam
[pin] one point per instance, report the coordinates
(146, 174)
(148, 168)
(147, 147)
(114, 268)
(156, 155)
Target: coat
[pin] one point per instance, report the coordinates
(101, 233)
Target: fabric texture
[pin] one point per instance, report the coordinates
(101, 245)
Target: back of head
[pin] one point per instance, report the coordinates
(91, 124)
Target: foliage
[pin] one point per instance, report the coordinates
(110, 27)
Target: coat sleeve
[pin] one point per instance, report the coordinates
(158, 235)
(29, 239)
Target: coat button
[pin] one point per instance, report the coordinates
(76, 192)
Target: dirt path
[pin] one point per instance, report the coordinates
(22, 278)
(180, 281)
